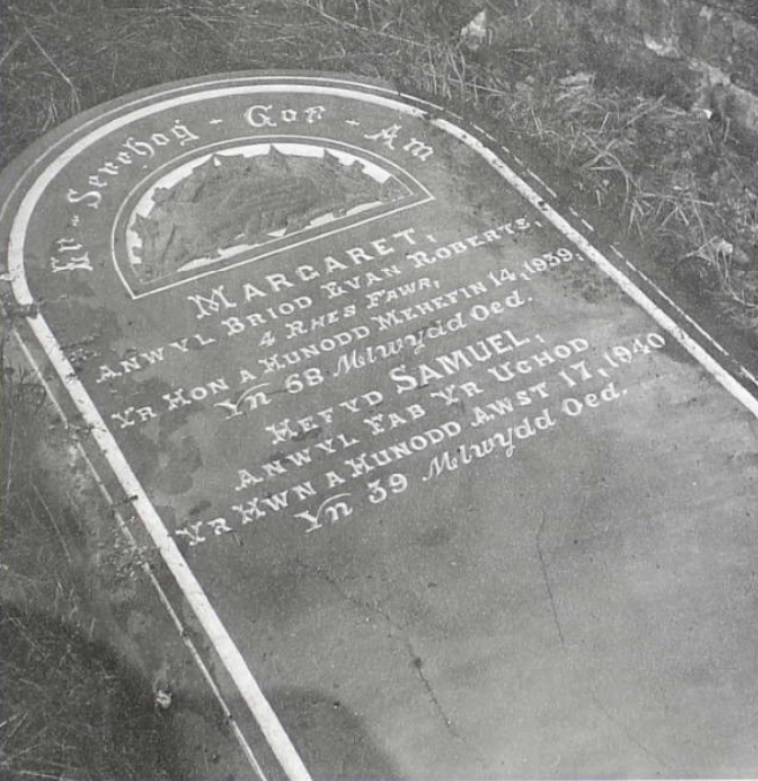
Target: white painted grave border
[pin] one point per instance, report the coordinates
(216, 632)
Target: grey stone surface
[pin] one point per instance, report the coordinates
(459, 500)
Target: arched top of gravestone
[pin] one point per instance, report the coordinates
(188, 179)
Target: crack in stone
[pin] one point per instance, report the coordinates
(416, 660)
(598, 703)
(626, 732)
(359, 603)
(547, 581)
(418, 666)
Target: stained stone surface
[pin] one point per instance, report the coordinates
(465, 508)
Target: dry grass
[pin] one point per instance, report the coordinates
(678, 178)
(69, 710)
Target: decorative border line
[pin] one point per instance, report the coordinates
(195, 596)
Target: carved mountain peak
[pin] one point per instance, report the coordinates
(234, 200)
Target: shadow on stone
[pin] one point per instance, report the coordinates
(332, 741)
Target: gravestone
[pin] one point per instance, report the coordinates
(427, 469)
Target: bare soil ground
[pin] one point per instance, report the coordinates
(659, 154)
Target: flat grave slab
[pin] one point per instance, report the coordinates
(426, 468)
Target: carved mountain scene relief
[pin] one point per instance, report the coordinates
(234, 201)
